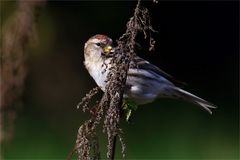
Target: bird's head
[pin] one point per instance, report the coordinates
(98, 46)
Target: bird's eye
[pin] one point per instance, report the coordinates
(98, 44)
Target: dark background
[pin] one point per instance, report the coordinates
(197, 43)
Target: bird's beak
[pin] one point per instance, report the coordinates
(108, 49)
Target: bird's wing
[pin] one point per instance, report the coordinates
(145, 65)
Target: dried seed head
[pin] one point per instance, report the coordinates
(110, 105)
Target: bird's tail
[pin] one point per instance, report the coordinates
(186, 96)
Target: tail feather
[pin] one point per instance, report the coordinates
(182, 94)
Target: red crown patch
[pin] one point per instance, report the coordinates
(101, 37)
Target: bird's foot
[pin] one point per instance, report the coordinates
(128, 107)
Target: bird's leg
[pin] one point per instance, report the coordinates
(128, 107)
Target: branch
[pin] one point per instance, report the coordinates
(110, 105)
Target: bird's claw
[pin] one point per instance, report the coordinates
(128, 108)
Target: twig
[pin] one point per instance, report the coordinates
(69, 157)
(113, 147)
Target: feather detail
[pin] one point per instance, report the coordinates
(182, 94)
(145, 65)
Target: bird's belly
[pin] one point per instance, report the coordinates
(137, 89)
(140, 91)
(100, 77)
(140, 99)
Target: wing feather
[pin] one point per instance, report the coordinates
(145, 65)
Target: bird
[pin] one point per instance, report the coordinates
(145, 82)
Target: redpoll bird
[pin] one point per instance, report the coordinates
(145, 82)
